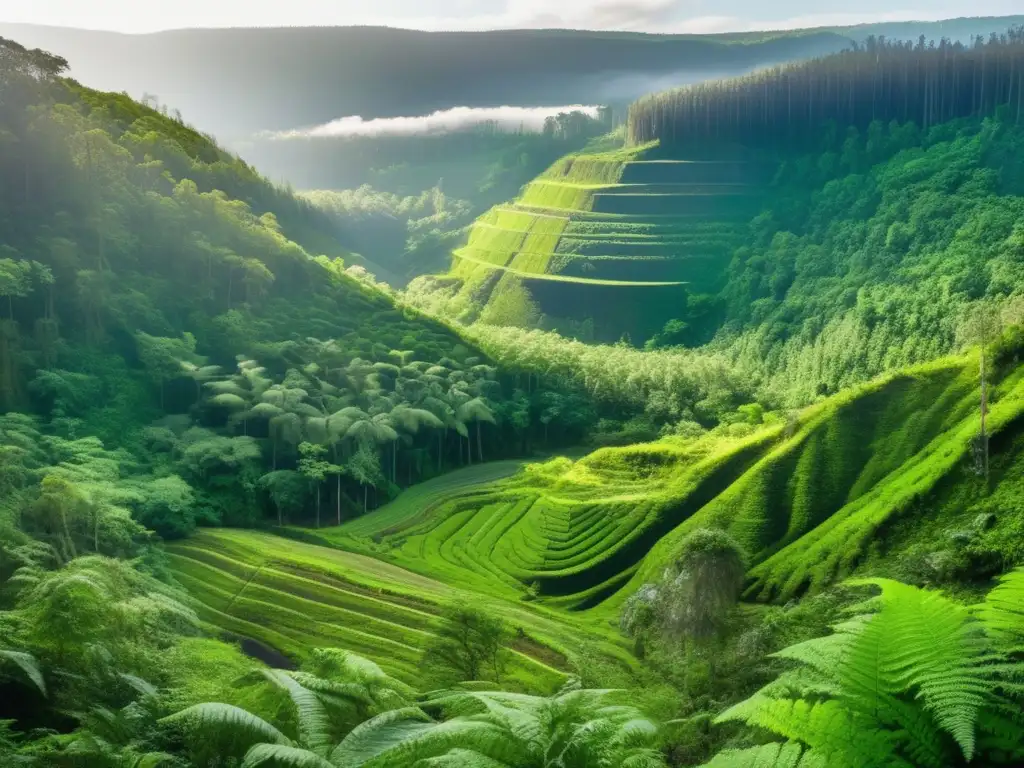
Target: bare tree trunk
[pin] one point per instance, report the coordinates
(339, 497)
(479, 442)
(318, 505)
(366, 492)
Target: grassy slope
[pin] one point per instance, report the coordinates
(812, 500)
(807, 499)
(294, 596)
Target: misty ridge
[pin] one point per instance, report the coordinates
(236, 83)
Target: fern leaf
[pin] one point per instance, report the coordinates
(1001, 734)
(140, 686)
(767, 756)
(462, 758)
(378, 735)
(924, 644)
(28, 665)
(228, 719)
(353, 693)
(435, 740)
(744, 711)
(314, 722)
(821, 653)
(516, 712)
(397, 739)
(1003, 612)
(839, 736)
(280, 756)
(152, 760)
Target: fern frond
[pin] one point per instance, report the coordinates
(314, 722)
(280, 756)
(744, 711)
(924, 644)
(1003, 612)
(229, 720)
(462, 758)
(823, 654)
(28, 665)
(436, 740)
(767, 756)
(379, 735)
(518, 713)
(1000, 733)
(140, 686)
(839, 736)
(354, 693)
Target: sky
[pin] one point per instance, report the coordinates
(132, 16)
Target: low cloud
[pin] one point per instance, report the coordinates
(455, 119)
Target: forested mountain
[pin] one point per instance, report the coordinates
(258, 509)
(813, 248)
(315, 75)
(212, 75)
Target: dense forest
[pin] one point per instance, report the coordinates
(258, 508)
(921, 82)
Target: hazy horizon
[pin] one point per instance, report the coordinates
(655, 16)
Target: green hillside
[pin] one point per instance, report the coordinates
(259, 510)
(294, 597)
(601, 235)
(810, 498)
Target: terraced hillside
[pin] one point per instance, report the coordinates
(616, 237)
(557, 547)
(292, 596)
(809, 499)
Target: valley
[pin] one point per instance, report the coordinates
(688, 437)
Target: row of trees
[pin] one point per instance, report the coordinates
(924, 83)
(669, 385)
